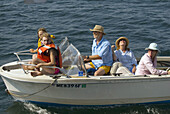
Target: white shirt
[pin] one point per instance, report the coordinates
(127, 58)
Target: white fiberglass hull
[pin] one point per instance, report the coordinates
(102, 90)
(108, 93)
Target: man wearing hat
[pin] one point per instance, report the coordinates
(148, 62)
(101, 53)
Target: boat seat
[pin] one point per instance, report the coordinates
(11, 67)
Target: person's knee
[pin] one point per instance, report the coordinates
(117, 64)
(99, 72)
(35, 61)
(96, 74)
(88, 66)
(34, 56)
(120, 64)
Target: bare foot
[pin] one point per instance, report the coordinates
(25, 67)
(36, 73)
(37, 69)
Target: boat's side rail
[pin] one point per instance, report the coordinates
(163, 68)
(22, 62)
(159, 58)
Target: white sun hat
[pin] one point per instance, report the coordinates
(153, 46)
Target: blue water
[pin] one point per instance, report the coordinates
(141, 21)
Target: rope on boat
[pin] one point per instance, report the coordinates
(28, 95)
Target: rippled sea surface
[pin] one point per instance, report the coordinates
(141, 21)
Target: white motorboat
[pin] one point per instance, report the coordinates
(68, 88)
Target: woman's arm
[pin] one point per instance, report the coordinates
(113, 53)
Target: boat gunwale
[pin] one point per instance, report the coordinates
(91, 79)
(41, 79)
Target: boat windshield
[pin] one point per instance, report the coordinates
(72, 60)
(63, 45)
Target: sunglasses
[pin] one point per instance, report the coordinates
(122, 40)
(95, 32)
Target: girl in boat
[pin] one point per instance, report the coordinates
(40, 33)
(148, 62)
(47, 55)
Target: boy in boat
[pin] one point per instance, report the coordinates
(101, 53)
(148, 62)
(47, 56)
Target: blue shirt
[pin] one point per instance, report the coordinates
(103, 49)
(127, 58)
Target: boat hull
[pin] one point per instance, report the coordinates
(89, 91)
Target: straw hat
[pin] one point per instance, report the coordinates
(153, 46)
(98, 28)
(118, 40)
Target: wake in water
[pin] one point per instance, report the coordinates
(29, 108)
(26, 108)
(35, 109)
(152, 111)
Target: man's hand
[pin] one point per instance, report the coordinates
(86, 58)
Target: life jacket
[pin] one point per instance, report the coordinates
(40, 43)
(46, 58)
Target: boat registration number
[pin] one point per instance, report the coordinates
(70, 85)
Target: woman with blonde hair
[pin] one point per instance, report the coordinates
(47, 55)
(40, 32)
